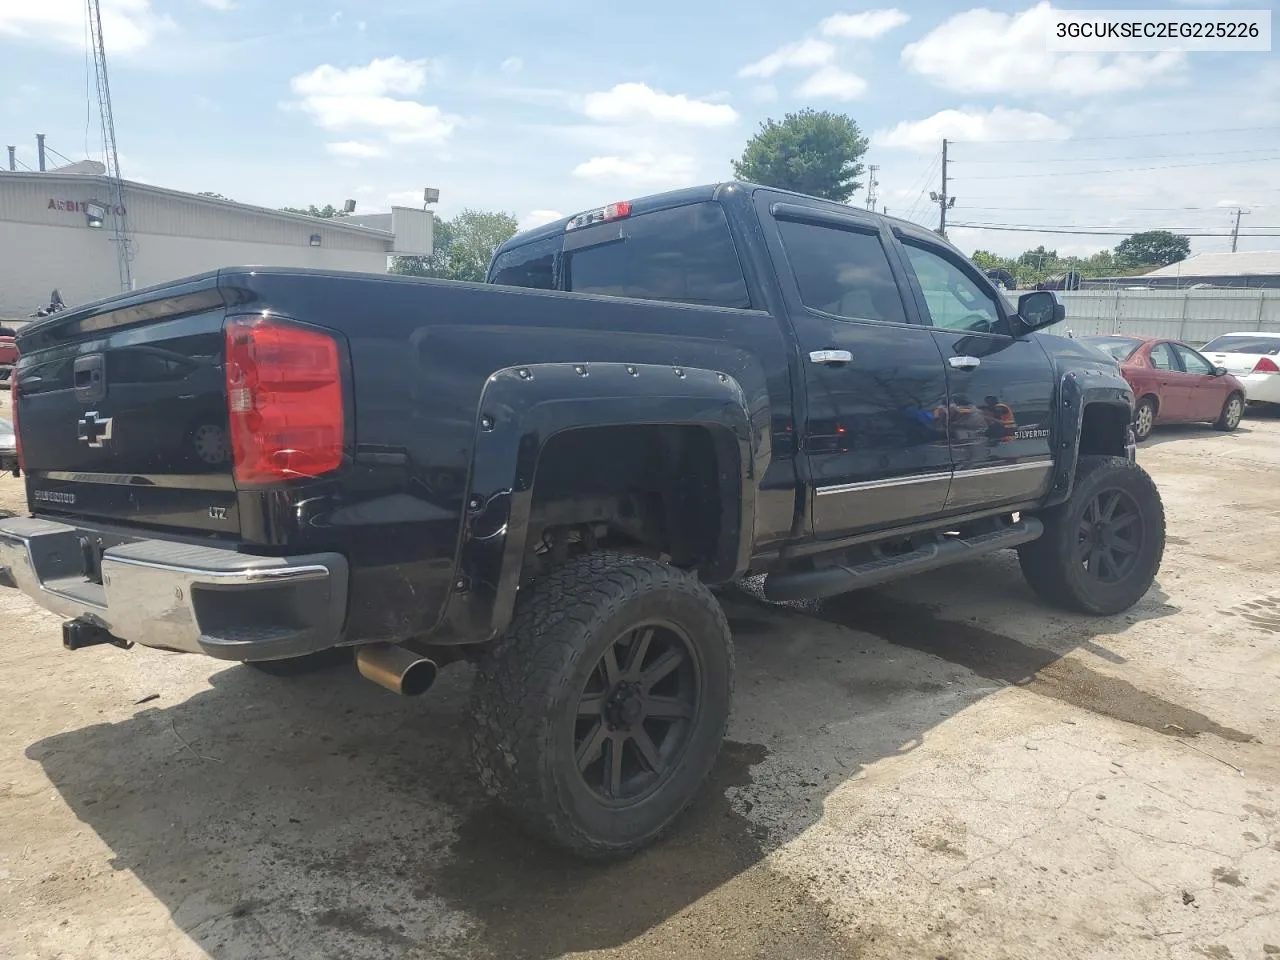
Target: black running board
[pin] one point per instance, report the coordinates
(831, 581)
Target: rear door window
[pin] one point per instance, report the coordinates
(1162, 357)
(842, 272)
(684, 254)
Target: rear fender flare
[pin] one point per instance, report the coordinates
(522, 408)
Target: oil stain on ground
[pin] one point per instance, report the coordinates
(700, 892)
(997, 657)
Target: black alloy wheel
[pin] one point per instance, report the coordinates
(636, 711)
(1109, 538)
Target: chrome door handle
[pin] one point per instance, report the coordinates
(830, 356)
(964, 363)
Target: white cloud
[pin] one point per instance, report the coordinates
(378, 78)
(538, 218)
(127, 25)
(863, 26)
(222, 5)
(764, 93)
(798, 55)
(636, 101)
(639, 169)
(835, 83)
(405, 198)
(354, 150)
(1000, 123)
(512, 65)
(360, 98)
(983, 51)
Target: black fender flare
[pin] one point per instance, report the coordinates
(1077, 391)
(522, 408)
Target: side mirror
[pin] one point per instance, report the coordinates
(1040, 309)
(1219, 371)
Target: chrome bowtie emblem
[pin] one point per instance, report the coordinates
(94, 430)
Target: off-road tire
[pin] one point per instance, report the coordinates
(525, 701)
(301, 666)
(1144, 419)
(1231, 416)
(1051, 565)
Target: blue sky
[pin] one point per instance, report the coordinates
(551, 107)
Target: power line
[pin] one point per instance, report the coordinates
(1092, 173)
(1106, 232)
(1147, 156)
(924, 185)
(1127, 136)
(65, 159)
(1121, 210)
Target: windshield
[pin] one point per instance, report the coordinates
(1243, 343)
(1118, 348)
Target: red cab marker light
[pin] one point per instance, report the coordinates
(614, 211)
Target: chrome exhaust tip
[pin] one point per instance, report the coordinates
(399, 670)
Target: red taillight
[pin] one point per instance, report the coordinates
(1266, 365)
(284, 399)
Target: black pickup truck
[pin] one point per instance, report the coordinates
(544, 474)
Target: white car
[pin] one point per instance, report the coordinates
(1251, 357)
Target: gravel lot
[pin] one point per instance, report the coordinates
(944, 769)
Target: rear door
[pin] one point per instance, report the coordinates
(125, 419)
(1001, 387)
(873, 432)
(1172, 390)
(1206, 394)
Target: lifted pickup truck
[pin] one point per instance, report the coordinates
(544, 473)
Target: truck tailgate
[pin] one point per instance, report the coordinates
(123, 412)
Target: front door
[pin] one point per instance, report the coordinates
(1001, 387)
(1205, 394)
(873, 435)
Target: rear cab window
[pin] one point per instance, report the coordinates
(683, 254)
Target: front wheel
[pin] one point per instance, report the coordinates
(600, 712)
(1232, 411)
(1100, 550)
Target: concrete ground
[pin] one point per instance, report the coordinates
(944, 769)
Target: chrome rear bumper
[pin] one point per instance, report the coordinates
(177, 596)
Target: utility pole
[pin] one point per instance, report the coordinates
(942, 199)
(872, 183)
(1235, 231)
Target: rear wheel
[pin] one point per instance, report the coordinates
(601, 711)
(1101, 550)
(1144, 419)
(1232, 411)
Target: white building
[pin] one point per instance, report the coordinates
(57, 230)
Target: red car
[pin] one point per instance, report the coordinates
(1173, 383)
(8, 354)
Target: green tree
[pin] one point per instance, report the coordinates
(1152, 248)
(814, 152)
(463, 246)
(327, 212)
